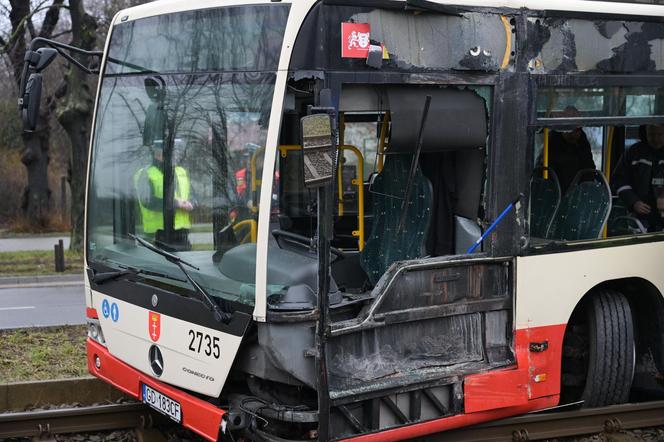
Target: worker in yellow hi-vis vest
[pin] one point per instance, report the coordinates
(149, 183)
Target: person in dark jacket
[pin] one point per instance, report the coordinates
(569, 151)
(639, 171)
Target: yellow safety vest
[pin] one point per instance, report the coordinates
(154, 220)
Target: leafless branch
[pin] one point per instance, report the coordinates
(51, 19)
(31, 28)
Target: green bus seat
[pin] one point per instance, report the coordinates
(386, 244)
(544, 201)
(584, 210)
(622, 221)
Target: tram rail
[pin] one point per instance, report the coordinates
(537, 426)
(555, 424)
(75, 420)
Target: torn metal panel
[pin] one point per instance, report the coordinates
(433, 41)
(413, 40)
(393, 351)
(429, 322)
(575, 45)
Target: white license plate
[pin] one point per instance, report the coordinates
(162, 403)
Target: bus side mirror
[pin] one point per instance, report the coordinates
(35, 62)
(44, 57)
(31, 101)
(319, 150)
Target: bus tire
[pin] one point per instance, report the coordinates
(611, 353)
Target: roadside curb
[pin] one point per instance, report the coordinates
(83, 391)
(40, 280)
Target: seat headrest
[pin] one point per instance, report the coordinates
(457, 119)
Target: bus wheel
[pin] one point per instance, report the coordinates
(611, 350)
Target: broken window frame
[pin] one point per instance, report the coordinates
(545, 81)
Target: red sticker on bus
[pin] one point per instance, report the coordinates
(355, 40)
(154, 325)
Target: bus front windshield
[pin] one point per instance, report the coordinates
(179, 142)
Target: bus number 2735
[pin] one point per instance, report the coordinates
(205, 343)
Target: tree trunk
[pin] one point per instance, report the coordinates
(36, 196)
(76, 123)
(74, 113)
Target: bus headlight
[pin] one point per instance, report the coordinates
(94, 331)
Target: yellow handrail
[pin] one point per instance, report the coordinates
(359, 182)
(254, 180)
(340, 184)
(508, 42)
(607, 167)
(381, 145)
(609, 151)
(253, 229)
(285, 148)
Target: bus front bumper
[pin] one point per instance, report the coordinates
(198, 415)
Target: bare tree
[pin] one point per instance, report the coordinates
(74, 112)
(36, 197)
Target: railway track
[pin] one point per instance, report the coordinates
(75, 420)
(536, 426)
(555, 424)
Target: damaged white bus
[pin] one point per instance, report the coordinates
(335, 219)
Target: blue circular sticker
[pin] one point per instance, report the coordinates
(115, 312)
(105, 308)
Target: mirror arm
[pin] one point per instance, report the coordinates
(59, 48)
(58, 45)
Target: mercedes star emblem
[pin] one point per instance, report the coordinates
(156, 360)
(155, 300)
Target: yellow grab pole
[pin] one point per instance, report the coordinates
(253, 229)
(381, 144)
(340, 175)
(609, 151)
(607, 167)
(255, 182)
(285, 148)
(359, 182)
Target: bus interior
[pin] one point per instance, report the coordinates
(585, 205)
(376, 148)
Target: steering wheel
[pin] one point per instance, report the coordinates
(303, 241)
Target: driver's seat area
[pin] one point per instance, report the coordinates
(387, 244)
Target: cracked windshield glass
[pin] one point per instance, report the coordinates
(179, 143)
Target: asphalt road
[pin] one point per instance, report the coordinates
(31, 243)
(47, 242)
(42, 306)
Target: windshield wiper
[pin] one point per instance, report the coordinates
(219, 315)
(102, 277)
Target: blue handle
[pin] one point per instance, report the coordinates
(492, 227)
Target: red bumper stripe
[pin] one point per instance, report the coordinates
(197, 415)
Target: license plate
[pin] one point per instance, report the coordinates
(162, 403)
